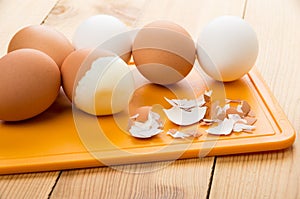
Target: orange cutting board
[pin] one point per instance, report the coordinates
(66, 138)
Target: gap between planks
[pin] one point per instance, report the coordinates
(215, 158)
(211, 178)
(54, 185)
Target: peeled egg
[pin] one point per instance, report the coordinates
(29, 84)
(97, 30)
(163, 52)
(98, 82)
(227, 48)
(43, 38)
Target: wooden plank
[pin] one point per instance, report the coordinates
(272, 174)
(182, 179)
(13, 16)
(67, 15)
(192, 15)
(35, 185)
(19, 13)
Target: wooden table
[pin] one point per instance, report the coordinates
(260, 175)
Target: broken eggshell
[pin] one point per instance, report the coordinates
(223, 128)
(145, 123)
(140, 114)
(177, 134)
(186, 112)
(182, 117)
(239, 127)
(185, 103)
(232, 119)
(194, 133)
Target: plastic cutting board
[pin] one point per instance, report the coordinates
(64, 139)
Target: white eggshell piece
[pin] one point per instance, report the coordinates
(182, 117)
(224, 128)
(178, 134)
(239, 127)
(222, 110)
(235, 117)
(208, 93)
(185, 103)
(147, 129)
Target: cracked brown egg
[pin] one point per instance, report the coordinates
(98, 82)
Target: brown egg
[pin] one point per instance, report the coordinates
(29, 84)
(43, 38)
(163, 52)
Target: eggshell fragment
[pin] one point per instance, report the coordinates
(185, 103)
(148, 128)
(29, 84)
(141, 114)
(43, 38)
(236, 118)
(244, 108)
(221, 112)
(178, 134)
(239, 127)
(251, 113)
(182, 117)
(233, 110)
(207, 96)
(223, 128)
(232, 101)
(195, 133)
(208, 122)
(250, 120)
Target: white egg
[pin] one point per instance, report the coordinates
(106, 87)
(227, 48)
(105, 32)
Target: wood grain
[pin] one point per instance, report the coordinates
(67, 15)
(182, 179)
(192, 15)
(273, 174)
(19, 13)
(35, 185)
